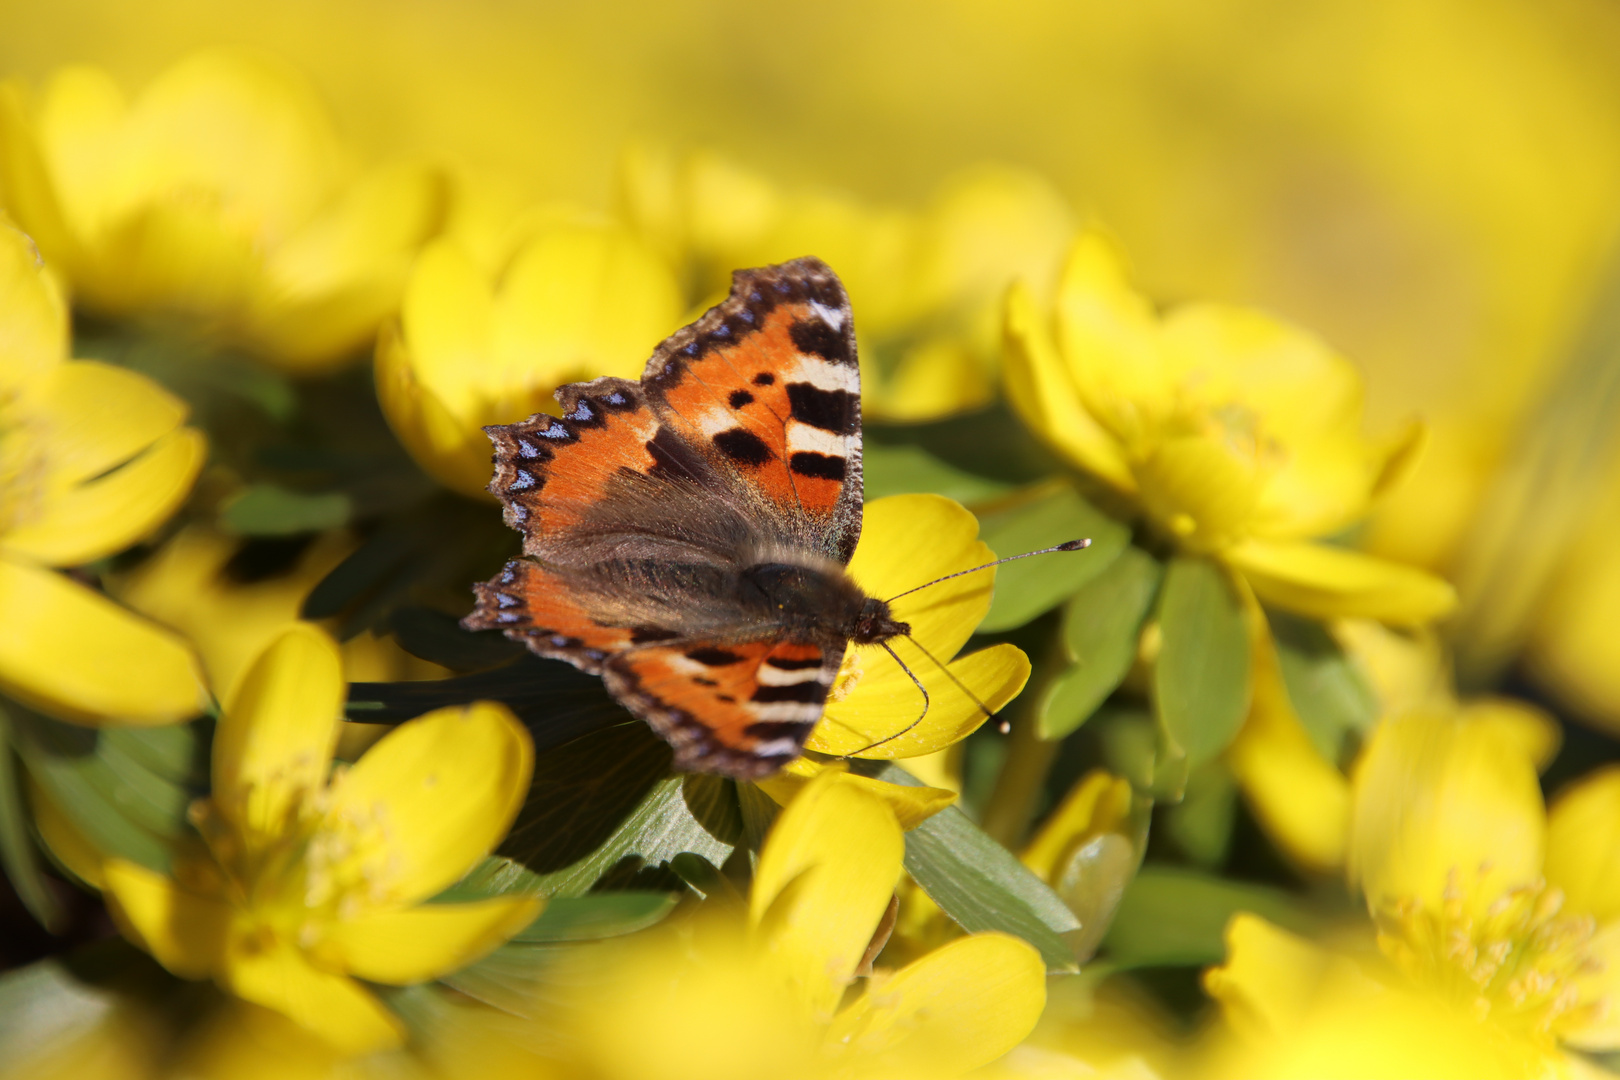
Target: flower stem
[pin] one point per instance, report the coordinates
(1011, 806)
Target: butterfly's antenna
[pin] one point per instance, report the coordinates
(920, 688)
(1071, 545)
(989, 713)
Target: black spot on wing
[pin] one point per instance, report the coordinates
(829, 410)
(642, 635)
(786, 663)
(819, 466)
(739, 398)
(815, 336)
(768, 730)
(673, 457)
(712, 657)
(743, 447)
(809, 692)
(764, 378)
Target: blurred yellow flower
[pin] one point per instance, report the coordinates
(93, 458)
(486, 341)
(926, 284)
(311, 880)
(774, 990)
(874, 709)
(1302, 799)
(1496, 919)
(187, 585)
(219, 197)
(1233, 435)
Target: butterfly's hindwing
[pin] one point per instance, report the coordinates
(540, 609)
(742, 710)
(769, 384)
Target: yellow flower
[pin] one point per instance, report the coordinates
(771, 986)
(1302, 799)
(926, 284)
(93, 458)
(310, 880)
(874, 709)
(1232, 435)
(481, 342)
(1497, 921)
(218, 197)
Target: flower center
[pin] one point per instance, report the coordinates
(1513, 962)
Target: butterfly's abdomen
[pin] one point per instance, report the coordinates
(810, 603)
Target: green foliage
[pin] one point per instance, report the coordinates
(1201, 681)
(1328, 692)
(1177, 917)
(1029, 587)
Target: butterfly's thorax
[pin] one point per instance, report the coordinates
(819, 603)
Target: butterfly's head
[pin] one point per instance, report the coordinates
(875, 623)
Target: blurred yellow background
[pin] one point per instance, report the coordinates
(1434, 187)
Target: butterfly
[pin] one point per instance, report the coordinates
(685, 537)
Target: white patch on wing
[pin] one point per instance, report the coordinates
(776, 748)
(773, 676)
(715, 420)
(815, 440)
(831, 316)
(825, 375)
(795, 711)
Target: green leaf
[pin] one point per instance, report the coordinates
(114, 797)
(905, 468)
(980, 884)
(54, 1001)
(1134, 746)
(1201, 681)
(1328, 692)
(1101, 625)
(514, 979)
(270, 510)
(18, 857)
(1029, 587)
(1201, 823)
(604, 809)
(1172, 917)
(597, 915)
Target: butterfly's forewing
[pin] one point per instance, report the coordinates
(767, 385)
(739, 709)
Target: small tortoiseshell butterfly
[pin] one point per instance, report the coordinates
(686, 535)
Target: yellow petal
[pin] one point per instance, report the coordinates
(1271, 977)
(911, 805)
(911, 540)
(29, 193)
(959, 1007)
(106, 515)
(1326, 582)
(100, 416)
(882, 716)
(273, 745)
(1439, 799)
(332, 283)
(63, 839)
(448, 784)
(184, 931)
(421, 943)
(579, 301)
(1098, 804)
(74, 653)
(1532, 731)
(1040, 389)
(1583, 844)
(1301, 799)
(453, 449)
(824, 878)
(335, 1007)
(33, 328)
(1600, 982)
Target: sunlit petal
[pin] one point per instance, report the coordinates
(447, 785)
(72, 652)
(334, 1006)
(274, 743)
(1328, 582)
(959, 1007)
(33, 333)
(416, 944)
(1583, 844)
(185, 931)
(824, 877)
(912, 805)
(84, 522)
